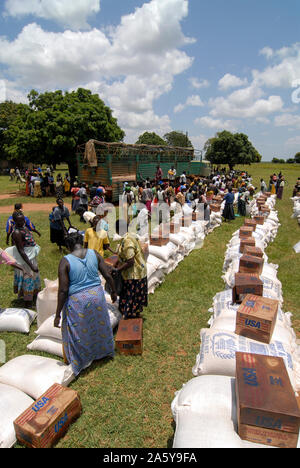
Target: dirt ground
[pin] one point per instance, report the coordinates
(28, 207)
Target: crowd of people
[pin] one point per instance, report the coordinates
(82, 309)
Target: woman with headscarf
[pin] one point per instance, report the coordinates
(86, 330)
(133, 267)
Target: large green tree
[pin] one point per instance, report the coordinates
(176, 138)
(231, 149)
(150, 138)
(56, 123)
(297, 157)
(9, 112)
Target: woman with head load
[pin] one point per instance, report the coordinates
(27, 282)
(86, 330)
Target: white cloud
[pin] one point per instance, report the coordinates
(193, 101)
(217, 124)
(245, 103)
(287, 120)
(231, 81)
(284, 70)
(130, 66)
(197, 84)
(294, 141)
(70, 13)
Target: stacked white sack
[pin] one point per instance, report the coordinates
(296, 208)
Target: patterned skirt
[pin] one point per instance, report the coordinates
(25, 285)
(86, 329)
(133, 297)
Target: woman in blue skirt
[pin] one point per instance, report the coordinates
(86, 331)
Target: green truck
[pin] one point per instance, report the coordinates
(112, 164)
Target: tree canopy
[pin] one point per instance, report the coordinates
(177, 138)
(231, 149)
(148, 138)
(49, 129)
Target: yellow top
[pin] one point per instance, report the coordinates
(130, 247)
(96, 240)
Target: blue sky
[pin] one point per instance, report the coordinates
(197, 66)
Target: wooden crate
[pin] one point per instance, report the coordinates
(254, 251)
(256, 318)
(246, 283)
(48, 418)
(267, 409)
(129, 337)
(251, 264)
(246, 231)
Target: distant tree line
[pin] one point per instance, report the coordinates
(294, 160)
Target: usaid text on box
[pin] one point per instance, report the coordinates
(2, 352)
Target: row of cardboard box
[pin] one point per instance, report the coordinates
(251, 342)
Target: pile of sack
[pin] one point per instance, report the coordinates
(205, 409)
(27, 377)
(296, 208)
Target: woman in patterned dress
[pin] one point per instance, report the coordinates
(86, 330)
(27, 282)
(133, 266)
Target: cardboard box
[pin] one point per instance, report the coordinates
(246, 241)
(264, 209)
(246, 283)
(251, 264)
(111, 261)
(250, 222)
(259, 219)
(216, 208)
(129, 337)
(196, 216)
(48, 418)
(186, 221)
(256, 318)
(160, 236)
(267, 408)
(255, 251)
(174, 228)
(246, 231)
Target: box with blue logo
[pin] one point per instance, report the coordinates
(256, 318)
(267, 408)
(48, 418)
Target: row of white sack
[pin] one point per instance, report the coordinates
(195, 418)
(163, 260)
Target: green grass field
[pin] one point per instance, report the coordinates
(126, 401)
